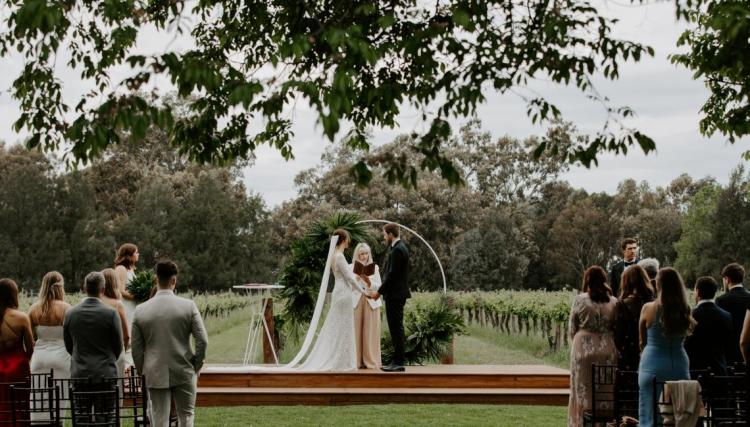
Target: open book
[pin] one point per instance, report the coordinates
(364, 270)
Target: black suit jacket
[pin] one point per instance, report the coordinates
(615, 274)
(736, 302)
(396, 277)
(93, 337)
(712, 339)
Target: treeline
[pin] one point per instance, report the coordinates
(514, 225)
(72, 221)
(517, 225)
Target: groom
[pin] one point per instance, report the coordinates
(395, 291)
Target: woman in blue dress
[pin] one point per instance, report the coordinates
(663, 326)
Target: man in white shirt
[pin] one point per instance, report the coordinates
(162, 328)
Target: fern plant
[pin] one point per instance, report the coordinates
(429, 328)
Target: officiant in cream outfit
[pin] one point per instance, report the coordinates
(367, 313)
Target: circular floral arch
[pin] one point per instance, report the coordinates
(381, 221)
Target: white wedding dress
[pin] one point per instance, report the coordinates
(335, 348)
(49, 353)
(126, 357)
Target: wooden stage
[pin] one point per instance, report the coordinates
(228, 385)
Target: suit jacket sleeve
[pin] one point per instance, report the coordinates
(117, 336)
(201, 338)
(396, 268)
(66, 334)
(691, 341)
(136, 345)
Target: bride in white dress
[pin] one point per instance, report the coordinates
(47, 315)
(127, 257)
(335, 347)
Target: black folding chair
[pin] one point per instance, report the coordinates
(133, 398)
(65, 385)
(728, 400)
(603, 379)
(6, 401)
(627, 395)
(98, 404)
(39, 406)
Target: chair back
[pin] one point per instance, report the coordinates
(627, 394)
(602, 394)
(39, 406)
(728, 400)
(95, 404)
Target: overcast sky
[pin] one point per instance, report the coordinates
(664, 96)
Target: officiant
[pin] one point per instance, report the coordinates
(366, 310)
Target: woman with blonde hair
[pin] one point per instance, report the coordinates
(112, 298)
(367, 312)
(47, 315)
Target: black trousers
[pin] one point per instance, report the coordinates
(394, 313)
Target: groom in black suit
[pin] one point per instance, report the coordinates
(395, 291)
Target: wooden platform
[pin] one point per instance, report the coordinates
(495, 384)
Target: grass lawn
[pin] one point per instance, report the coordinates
(484, 346)
(387, 415)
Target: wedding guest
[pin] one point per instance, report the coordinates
(112, 298)
(367, 314)
(635, 291)
(162, 328)
(629, 248)
(16, 346)
(745, 338)
(592, 322)
(664, 325)
(93, 334)
(713, 335)
(651, 266)
(735, 300)
(125, 261)
(47, 315)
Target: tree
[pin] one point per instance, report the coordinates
(352, 61)
(717, 43)
(695, 249)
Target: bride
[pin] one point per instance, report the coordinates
(335, 348)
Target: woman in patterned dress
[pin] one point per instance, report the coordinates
(592, 323)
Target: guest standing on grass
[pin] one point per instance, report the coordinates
(93, 334)
(713, 335)
(16, 346)
(635, 291)
(735, 300)
(629, 248)
(113, 299)
(651, 267)
(664, 325)
(47, 315)
(592, 322)
(162, 327)
(125, 261)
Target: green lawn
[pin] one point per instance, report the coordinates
(386, 415)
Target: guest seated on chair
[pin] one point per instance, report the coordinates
(713, 335)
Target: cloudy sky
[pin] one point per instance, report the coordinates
(665, 98)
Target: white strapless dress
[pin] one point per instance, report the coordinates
(126, 358)
(49, 353)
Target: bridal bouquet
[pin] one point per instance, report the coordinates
(141, 285)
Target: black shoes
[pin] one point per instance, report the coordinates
(393, 368)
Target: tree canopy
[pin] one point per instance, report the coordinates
(357, 64)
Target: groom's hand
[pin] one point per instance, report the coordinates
(374, 295)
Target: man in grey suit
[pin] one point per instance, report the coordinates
(162, 328)
(93, 334)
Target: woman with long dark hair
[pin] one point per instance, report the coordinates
(663, 326)
(16, 345)
(635, 290)
(592, 321)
